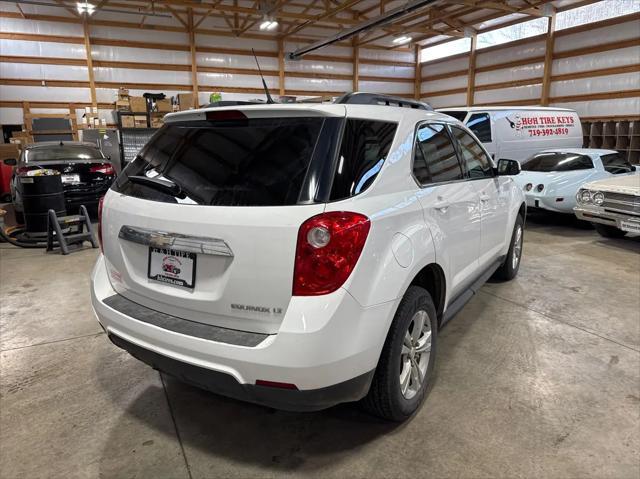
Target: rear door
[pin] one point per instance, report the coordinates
(203, 224)
(450, 204)
(493, 193)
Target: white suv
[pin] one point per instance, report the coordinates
(300, 256)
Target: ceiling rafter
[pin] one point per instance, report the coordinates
(327, 14)
(476, 21)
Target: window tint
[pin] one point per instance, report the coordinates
(458, 115)
(251, 162)
(616, 164)
(436, 157)
(365, 146)
(480, 125)
(64, 152)
(477, 162)
(557, 162)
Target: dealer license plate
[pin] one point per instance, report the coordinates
(177, 268)
(71, 178)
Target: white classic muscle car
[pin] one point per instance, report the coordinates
(550, 179)
(612, 205)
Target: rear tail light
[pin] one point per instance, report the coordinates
(328, 249)
(528, 187)
(23, 170)
(100, 203)
(104, 168)
(539, 188)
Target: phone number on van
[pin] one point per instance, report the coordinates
(549, 132)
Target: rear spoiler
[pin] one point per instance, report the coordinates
(274, 110)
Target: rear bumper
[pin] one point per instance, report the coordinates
(327, 346)
(226, 385)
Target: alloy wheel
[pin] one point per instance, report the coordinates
(517, 248)
(414, 357)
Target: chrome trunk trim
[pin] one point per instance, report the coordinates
(175, 241)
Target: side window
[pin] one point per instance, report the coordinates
(480, 125)
(365, 146)
(435, 159)
(477, 162)
(616, 164)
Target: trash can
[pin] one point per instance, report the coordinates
(39, 195)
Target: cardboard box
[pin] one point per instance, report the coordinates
(128, 122)
(157, 122)
(164, 106)
(9, 150)
(138, 104)
(140, 121)
(185, 100)
(123, 105)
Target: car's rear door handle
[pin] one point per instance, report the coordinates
(484, 197)
(175, 241)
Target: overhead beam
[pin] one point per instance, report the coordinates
(382, 20)
(327, 14)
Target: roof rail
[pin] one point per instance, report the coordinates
(362, 98)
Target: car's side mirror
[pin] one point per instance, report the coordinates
(508, 167)
(10, 162)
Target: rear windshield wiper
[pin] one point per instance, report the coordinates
(161, 185)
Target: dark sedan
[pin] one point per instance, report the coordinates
(86, 173)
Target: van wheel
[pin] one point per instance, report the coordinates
(609, 231)
(511, 265)
(403, 376)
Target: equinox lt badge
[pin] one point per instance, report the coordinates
(257, 309)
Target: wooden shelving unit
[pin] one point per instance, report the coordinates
(621, 135)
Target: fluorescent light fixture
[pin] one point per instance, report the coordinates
(86, 7)
(268, 25)
(401, 40)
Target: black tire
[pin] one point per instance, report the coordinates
(507, 271)
(385, 398)
(609, 231)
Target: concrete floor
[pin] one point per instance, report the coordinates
(536, 378)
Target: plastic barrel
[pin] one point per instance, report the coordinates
(39, 195)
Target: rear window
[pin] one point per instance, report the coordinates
(65, 152)
(259, 162)
(615, 164)
(557, 162)
(248, 162)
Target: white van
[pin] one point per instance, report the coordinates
(518, 132)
